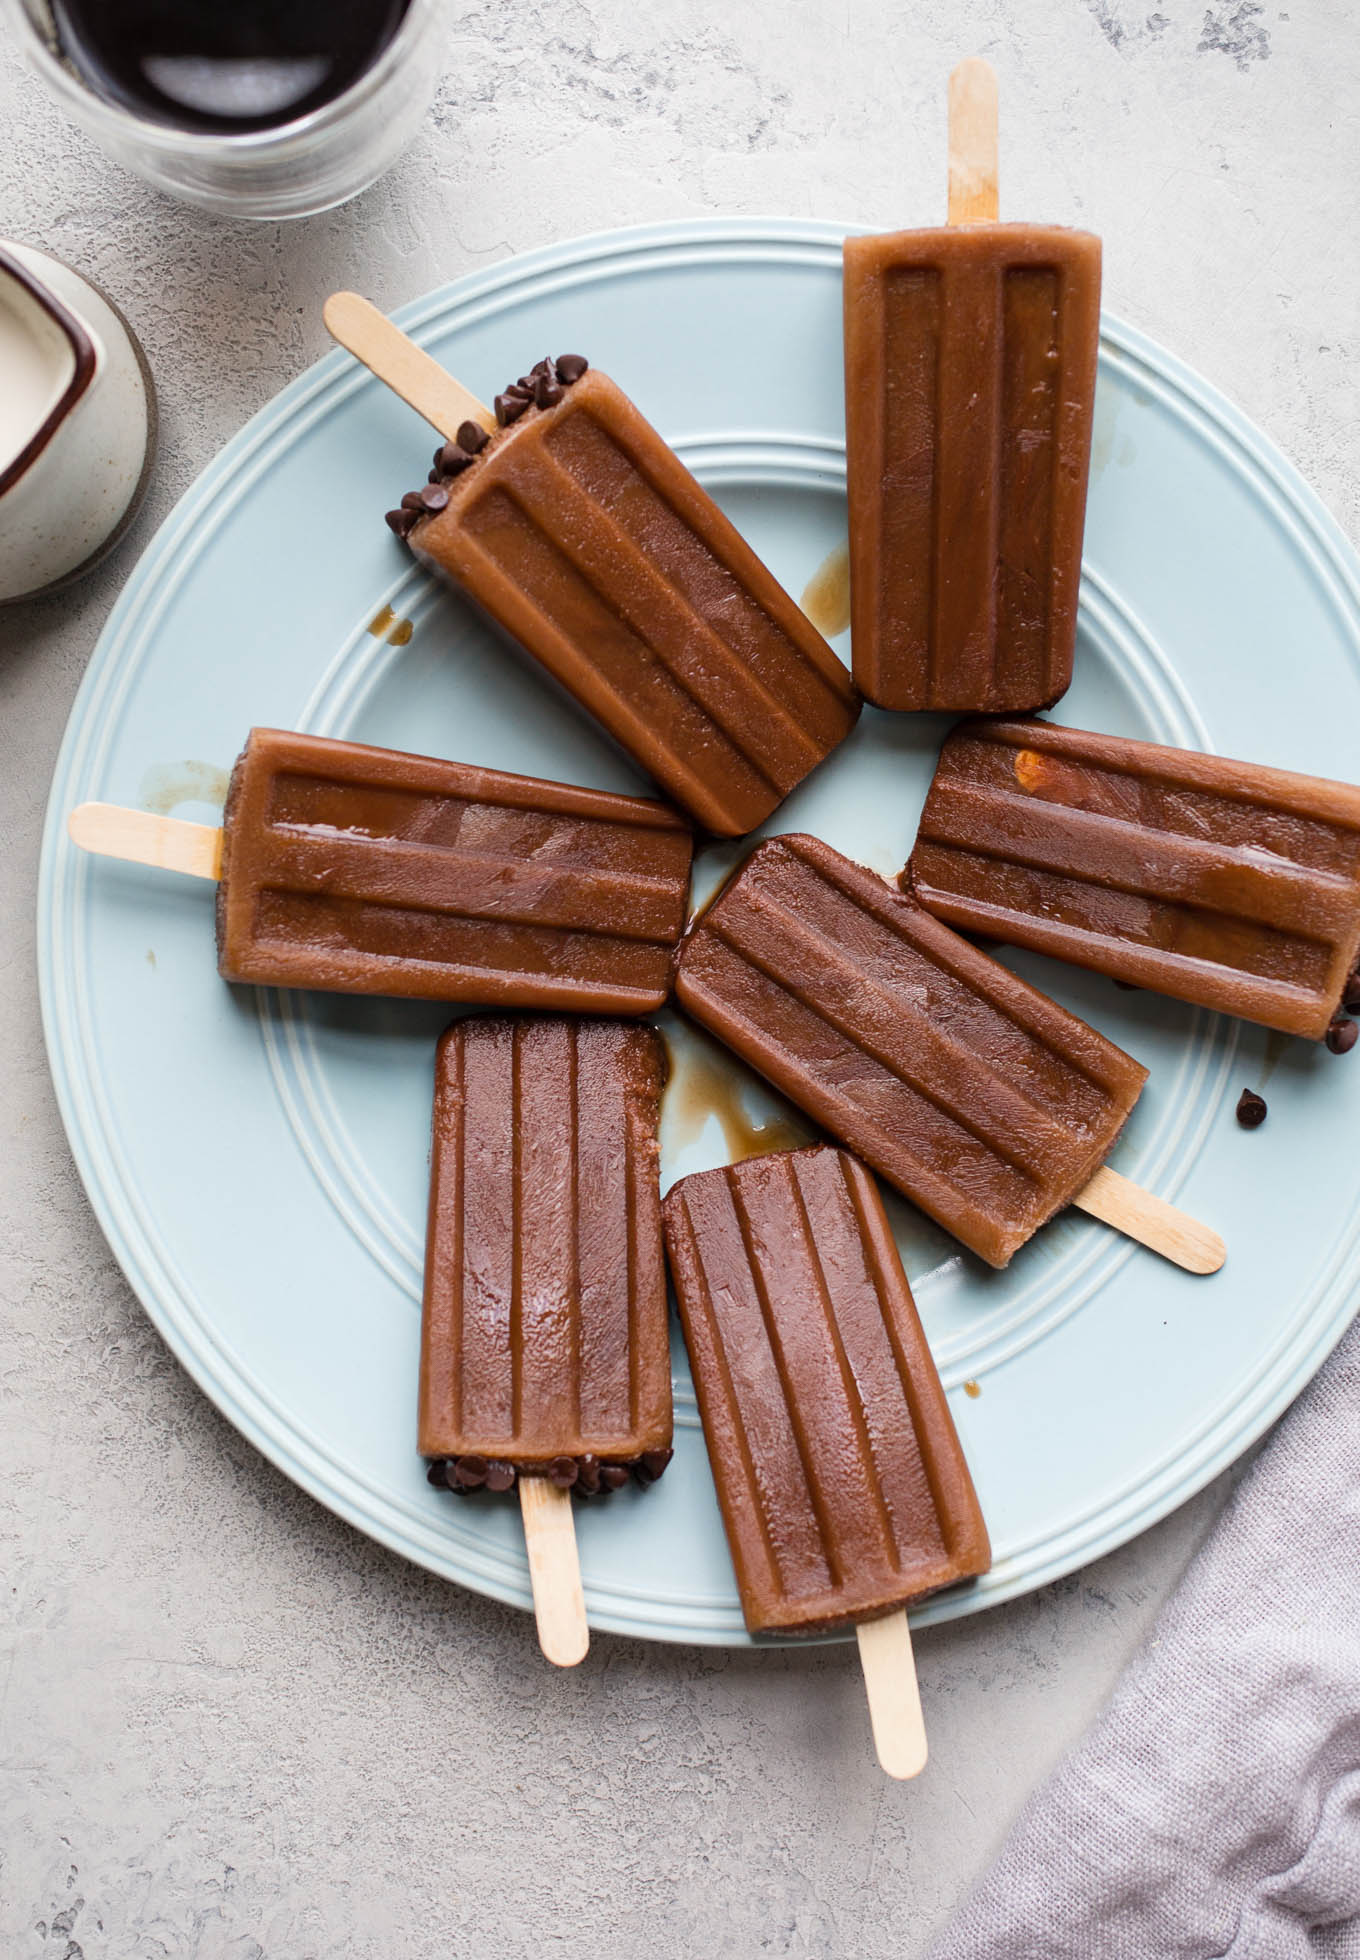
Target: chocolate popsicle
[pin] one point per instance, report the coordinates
(842, 1484)
(970, 371)
(582, 534)
(1225, 883)
(360, 870)
(544, 1348)
(544, 1353)
(989, 1105)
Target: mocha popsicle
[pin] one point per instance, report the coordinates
(1224, 883)
(544, 1346)
(842, 1484)
(369, 871)
(982, 1100)
(579, 530)
(363, 870)
(970, 371)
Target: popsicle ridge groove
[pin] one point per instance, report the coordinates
(699, 662)
(1144, 861)
(791, 1412)
(668, 650)
(706, 1330)
(640, 687)
(754, 638)
(1003, 1135)
(854, 1405)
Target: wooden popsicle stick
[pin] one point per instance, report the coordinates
(1117, 1201)
(894, 1695)
(554, 1571)
(974, 198)
(141, 837)
(407, 369)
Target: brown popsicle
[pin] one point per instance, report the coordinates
(578, 529)
(544, 1347)
(361, 870)
(1225, 883)
(843, 1487)
(970, 371)
(986, 1103)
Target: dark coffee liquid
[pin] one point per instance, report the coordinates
(225, 66)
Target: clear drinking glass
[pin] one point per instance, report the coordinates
(290, 171)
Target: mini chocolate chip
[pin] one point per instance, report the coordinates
(471, 1471)
(439, 455)
(1350, 997)
(524, 387)
(437, 1473)
(403, 522)
(414, 500)
(1341, 1035)
(588, 1474)
(472, 437)
(542, 367)
(434, 496)
(613, 1476)
(509, 408)
(650, 1465)
(548, 392)
(570, 367)
(562, 1472)
(451, 459)
(500, 1476)
(1251, 1110)
(433, 477)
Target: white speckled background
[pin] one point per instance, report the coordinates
(231, 1729)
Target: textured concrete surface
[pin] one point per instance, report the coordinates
(229, 1727)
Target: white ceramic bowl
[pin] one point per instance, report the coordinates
(77, 426)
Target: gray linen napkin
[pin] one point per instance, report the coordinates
(1214, 1807)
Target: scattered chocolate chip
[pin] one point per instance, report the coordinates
(452, 459)
(401, 521)
(414, 500)
(613, 1476)
(509, 408)
(471, 1471)
(433, 477)
(650, 1465)
(588, 1474)
(1251, 1110)
(1341, 1035)
(523, 389)
(547, 392)
(542, 367)
(570, 367)
(434, 496)
(500, 1476)
(1350, 997)
(472, 437)
(562, 1471)
(439, 454)
(437, 1473)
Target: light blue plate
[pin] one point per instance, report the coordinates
(258, 1161)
